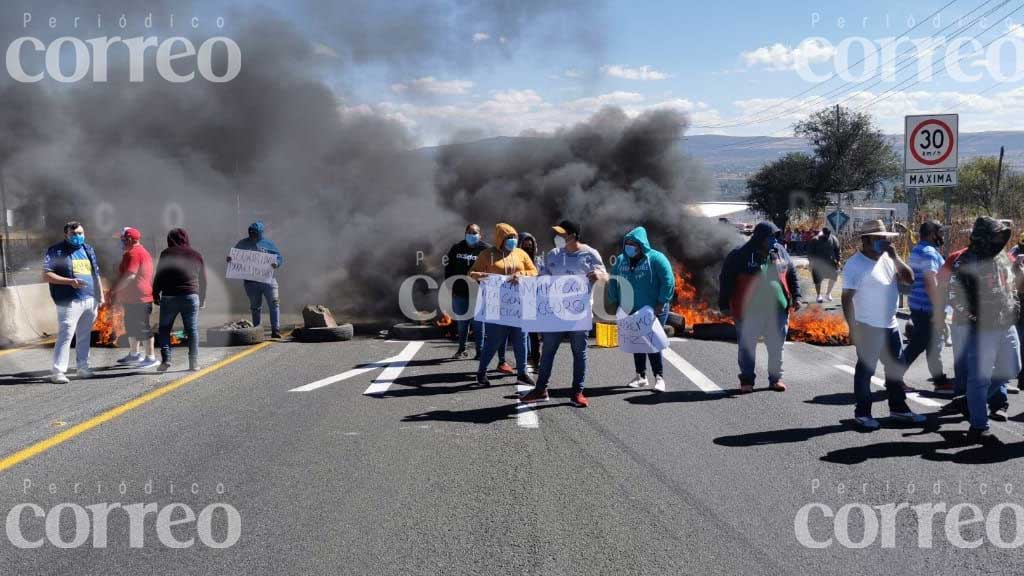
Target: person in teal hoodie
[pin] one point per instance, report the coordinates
(257, 291)
(650, 275)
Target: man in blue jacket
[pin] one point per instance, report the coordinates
(650, 275)
(258, 291)
(71, 270)
(758, 286)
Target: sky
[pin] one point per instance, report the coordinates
(731, 66)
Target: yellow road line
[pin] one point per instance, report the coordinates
(29, 347)
(44, 445)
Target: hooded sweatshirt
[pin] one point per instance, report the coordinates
(494, 260)
(260, 244)
(751, 283)
(650, 274)
(983, 288)
(180, 271)
(538, 259)
(461, 257)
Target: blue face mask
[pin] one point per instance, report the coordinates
(76, 240)
(880, 246)
(472, 239)
(511, 243)
(630, 251)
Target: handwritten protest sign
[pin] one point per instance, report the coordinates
(536, 303)
(641, 333)
(251, 265)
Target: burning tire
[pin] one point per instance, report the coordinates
(234, 336)
(715, 331)
(340, 333)
(677, 321)
(409, 331)
(670, 330)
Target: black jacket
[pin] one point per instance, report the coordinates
(461, 258)
(181, 270)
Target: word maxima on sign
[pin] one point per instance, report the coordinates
(931, 178)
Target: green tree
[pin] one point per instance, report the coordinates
(850, 152)
(785, 185)
(976, 185)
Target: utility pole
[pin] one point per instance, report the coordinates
(999, 172)
(7, 230)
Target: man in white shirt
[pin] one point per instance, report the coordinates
(871, 280)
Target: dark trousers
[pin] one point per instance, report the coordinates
(924, 338)
(657, 366)
(170, 308)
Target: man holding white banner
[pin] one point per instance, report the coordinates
(570, 257)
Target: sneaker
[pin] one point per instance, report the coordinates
(944, 386)
(821, 299)
(639, 381)
(59, 378)
(526, 380)
(659, 384)
(828, 298)
(908, 416)
(998, 414)
(535, 395)
(957, 405)
(147, 362)
(779, 386)
(1013, 388)
(983, 437)
(85, 373)
(506, 368)
(746, 388)
(163, 367)
(483, 381)
(867, 422)
(460, 355)
(276, 334)
(130, 359)
(579, 400)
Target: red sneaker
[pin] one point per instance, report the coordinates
(579, 400)
(535, 395)
(506, 368)
(779, 386)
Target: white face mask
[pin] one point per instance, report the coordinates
(559, 242)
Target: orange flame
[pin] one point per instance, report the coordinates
(443, 321)
(109, 324)
(690, 305)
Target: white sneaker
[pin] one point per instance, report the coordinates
(84, 373)
(909, 417)
(659, 384)
(130, 359)
(829, 298)
(147, 362)
(59, 378)
(867, 422)
(638, 382)
(820, 299)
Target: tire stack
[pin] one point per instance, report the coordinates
(241, 333)
(319, 325)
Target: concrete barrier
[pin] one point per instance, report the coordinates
(26, 314)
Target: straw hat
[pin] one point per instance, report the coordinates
(875, 228)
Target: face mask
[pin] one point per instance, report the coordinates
(76, 240)
(511, 243)
(472, 239)
(125, 244)
(880, 246)
(559, 242)
(772, 243)
(630, 251)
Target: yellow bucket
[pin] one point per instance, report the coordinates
(607, 335)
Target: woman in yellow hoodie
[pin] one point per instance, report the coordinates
(504, 259)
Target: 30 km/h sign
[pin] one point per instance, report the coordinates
(930, 155)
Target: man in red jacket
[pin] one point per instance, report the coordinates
(134, 292)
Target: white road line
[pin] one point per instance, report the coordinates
(345, 375)
(922, 400)
(695, 376)
(395, 367)
(525, 416)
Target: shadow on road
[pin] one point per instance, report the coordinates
(672, 396)
(786, 436)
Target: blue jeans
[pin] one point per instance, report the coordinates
(992, 358)
(924, 338)
(958, 333)
(257, 291)
(460, 306)
(495, 336)
(502, 346)
(188, 307)
(774, 328)
(874, 344)
(640, 360)
(578, 343)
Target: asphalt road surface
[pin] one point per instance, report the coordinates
(380, 457)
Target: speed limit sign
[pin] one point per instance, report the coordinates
(930, 150)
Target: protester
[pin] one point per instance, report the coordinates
(758, 286)
(507, 259)
(133, 291)
(461, 257)
(569, 257)
(824, 255)
(983, 290)
(650, 275)
(529, 245)
(73, 274)
(958, 335)
(258, 291)
(871, 281)
(180, 288)
(1018, 255)
(927, 312)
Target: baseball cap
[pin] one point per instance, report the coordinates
(566, 227)
(131, 233)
